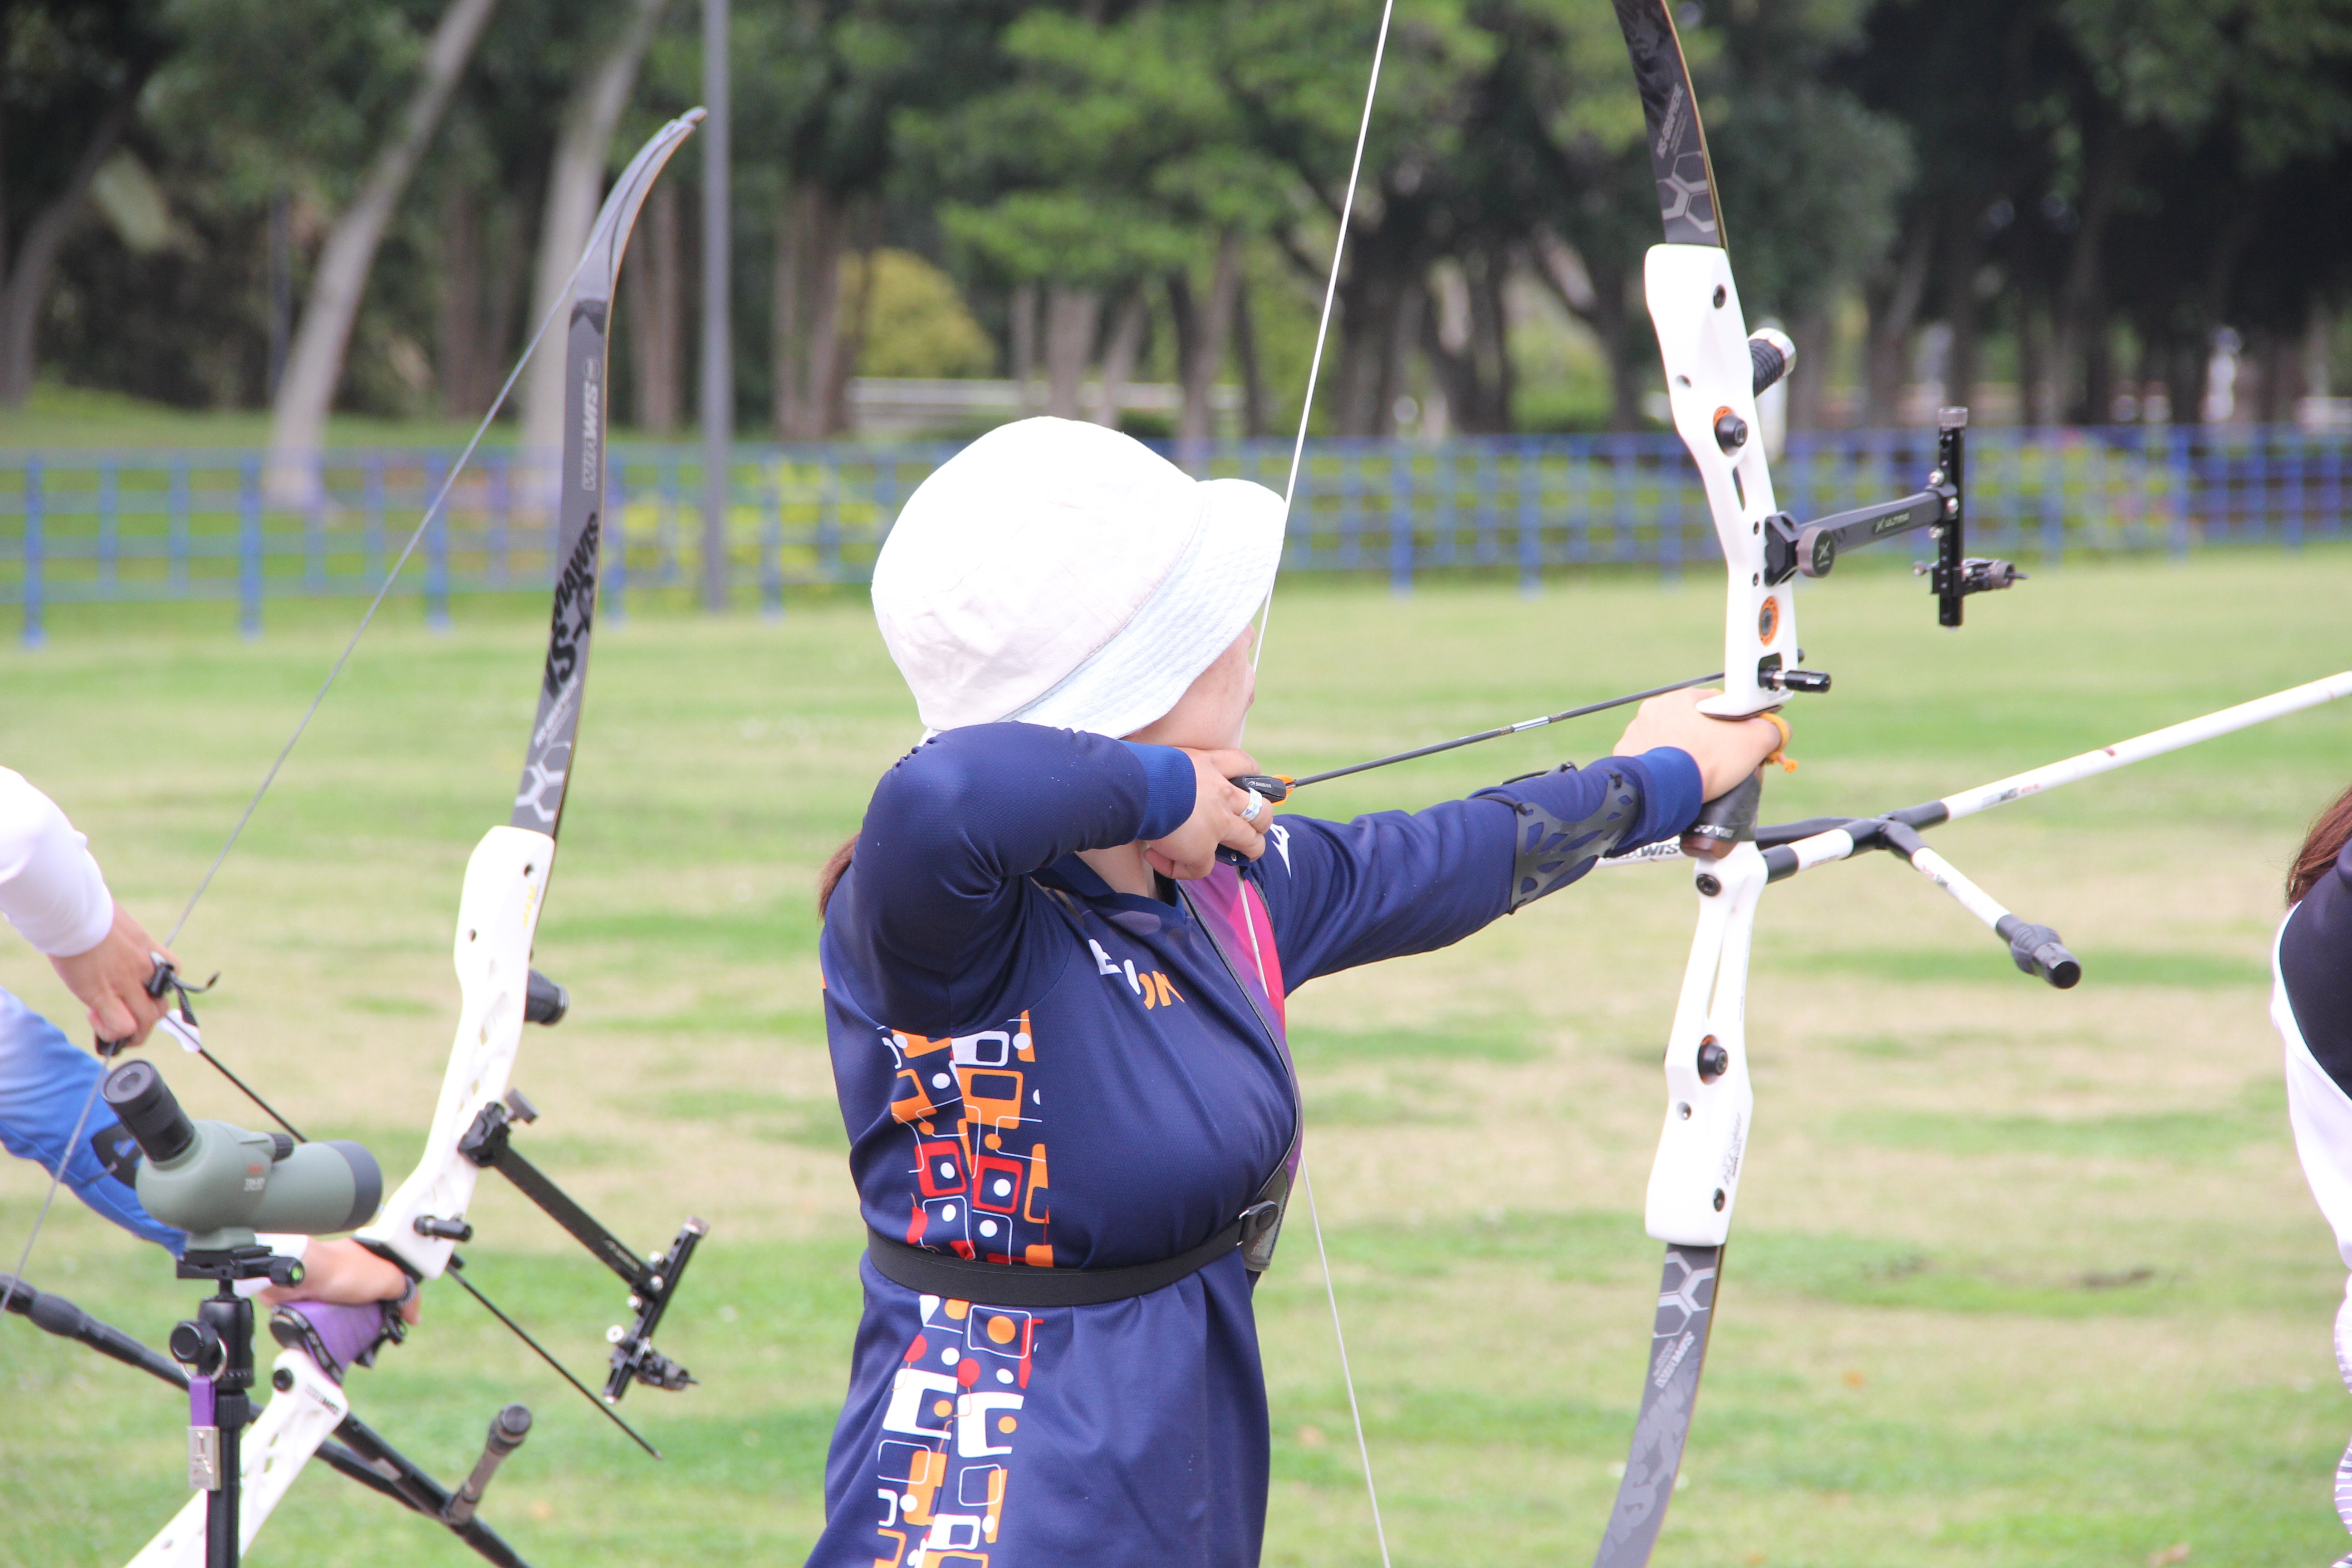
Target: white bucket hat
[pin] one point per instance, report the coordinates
(1059, 572)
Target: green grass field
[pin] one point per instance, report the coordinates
(2020, 1276)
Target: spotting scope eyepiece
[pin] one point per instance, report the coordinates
(144, 1104)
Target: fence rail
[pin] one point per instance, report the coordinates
(78, 526)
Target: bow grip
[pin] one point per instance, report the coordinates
(1730, 817)
(1269, 788)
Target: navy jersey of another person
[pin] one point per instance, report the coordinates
(2311, 1004)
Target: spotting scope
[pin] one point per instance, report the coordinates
(221, 1183)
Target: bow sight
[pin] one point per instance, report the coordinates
(1790, 548)
(652, 1281)
(1812, 549)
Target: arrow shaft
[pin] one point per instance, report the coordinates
(1499, 731)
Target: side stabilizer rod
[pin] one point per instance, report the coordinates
(2036, 949)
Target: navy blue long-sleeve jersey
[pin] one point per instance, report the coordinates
(2312, 1005)
(1036, 1070)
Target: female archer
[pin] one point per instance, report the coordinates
(2311, 1003)
(1056, 957)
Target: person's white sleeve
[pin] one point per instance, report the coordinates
(51, 889)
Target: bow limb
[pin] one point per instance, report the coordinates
(506, 879)
(1695, 1178)
(1710, 378)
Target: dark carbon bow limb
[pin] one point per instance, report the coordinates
(1677, 1351)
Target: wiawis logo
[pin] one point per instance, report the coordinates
(592, 419)
(575, 616)
(1671, 1361)
(1670, 124)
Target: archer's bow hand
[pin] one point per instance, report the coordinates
(1727, 750)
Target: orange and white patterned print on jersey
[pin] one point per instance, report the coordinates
(978, 1148)
(943, 1465)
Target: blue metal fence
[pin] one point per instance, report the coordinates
(78, 526)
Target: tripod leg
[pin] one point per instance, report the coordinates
(304, 1409)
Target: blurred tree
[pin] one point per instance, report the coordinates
(1810, 175)
(243, 39)
(75, 70)
(917, 323)
(609, 47)
(461, 260)
(1109, 164)
(830, 118)
(2097, 165)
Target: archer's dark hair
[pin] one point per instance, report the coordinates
(836, 866)
(2329, 831)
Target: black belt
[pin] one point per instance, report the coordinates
(1022, 1285)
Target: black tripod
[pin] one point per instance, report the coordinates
(216, 1347)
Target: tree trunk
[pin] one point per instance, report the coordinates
(656, 298)
(1201, 336)
(818, 334)
(1395, 404)
(457, 320)
(26, 290)
(1120, 352)
(1072, 316)
(1366, 346)
(2085, 337)
(2318, 354)
(575, 188)
(807, 331)
(2279, 377)
(2186, 356)
(2037, 389)
(314, 368)
(1490, 319)
(481, 274)
(1809, 380)
(1257, 416)
(1376, 321)
(1621, 321)
(1963, 256)
(1893, 316)
(1603, 301)
(840, 363)
(1465, 337)
(1021, 326)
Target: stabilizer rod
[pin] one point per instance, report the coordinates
(406, 1484)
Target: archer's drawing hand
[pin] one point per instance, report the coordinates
(345, 1272)
(111, 979)
(1191, 852)
(1727, 750)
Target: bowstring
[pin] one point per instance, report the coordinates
(416, 537)
(1265, 616)
(392, 575)
(57, 1177)
(1355, 1410)
(1323, 326)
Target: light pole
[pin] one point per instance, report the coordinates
(718, 359)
